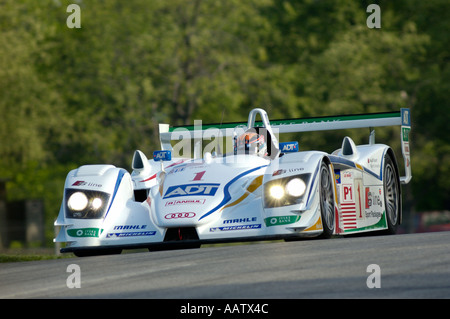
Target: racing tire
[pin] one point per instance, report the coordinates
(326, 200)
(392, 197)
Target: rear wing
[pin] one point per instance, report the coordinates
(199, 131)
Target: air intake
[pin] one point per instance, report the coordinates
(181, 234)
(348, 147)
(139, 160)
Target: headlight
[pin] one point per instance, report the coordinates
(296, 187)
(86, 204)
(77, 201)
(97, 203)
(285, 191)
(276, 191)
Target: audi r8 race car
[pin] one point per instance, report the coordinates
(261, 189)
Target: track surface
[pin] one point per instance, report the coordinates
(412, 266)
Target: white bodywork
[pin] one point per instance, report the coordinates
(225, 198)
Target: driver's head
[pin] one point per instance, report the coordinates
(252, 143)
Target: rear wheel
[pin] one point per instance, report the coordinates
(391, 184)
(326, 201)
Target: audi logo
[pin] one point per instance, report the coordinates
(179, 215)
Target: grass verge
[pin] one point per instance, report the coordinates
(29, 254)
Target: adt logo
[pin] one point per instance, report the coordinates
(162, 156)
(288, 147)
(192, 190)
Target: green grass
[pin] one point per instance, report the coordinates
(8, 258)
(19, 254)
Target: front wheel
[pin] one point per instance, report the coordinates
(392, 200)
(326, 201)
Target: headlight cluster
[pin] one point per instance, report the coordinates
(285, 191)
(85, 204)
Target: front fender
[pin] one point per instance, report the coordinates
(297, 164)
(104, 191)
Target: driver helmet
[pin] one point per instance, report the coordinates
(251, 143)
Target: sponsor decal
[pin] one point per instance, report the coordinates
(406, 117)
(405, 134)
(406, 148)
(279, 172)
(281, 220)
(131, 234)
(288, 147)
(179, 215)
(373, 199)
(368, 198)
(207, 189)
(185, 202)
(83, 232)
(237, 227)
(347, 175)
(373, 163)
(83, 183)
(162, 155)
(373, 214)
(120, 227)
(337, 175)
(240, 220)
(288, 170)
(176, 170)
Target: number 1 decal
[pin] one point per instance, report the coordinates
(198, 176)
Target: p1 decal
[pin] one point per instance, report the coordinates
(208, 189)
(348, 193)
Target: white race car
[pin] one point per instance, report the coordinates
(260, 190)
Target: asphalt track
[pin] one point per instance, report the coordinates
(411, 266)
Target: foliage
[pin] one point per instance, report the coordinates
(93, 95)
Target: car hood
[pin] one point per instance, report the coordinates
(194, 193)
